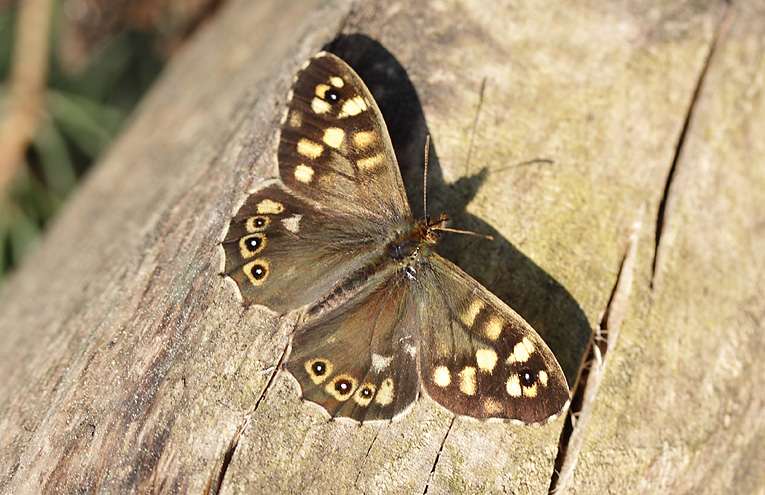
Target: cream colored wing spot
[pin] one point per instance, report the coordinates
(385, 393)
(530, 391)
(320, 106)
(492, 405)
(318, 370)
(257, 271)
(333, 137)
(369, 162)
(251, 245)
(270, 207)
(492, 329)
(521, 351)
(353, 107)
(410, 350)
(257, 224)
(309, 149)
(303, 173)
(364, 394)
(341, 387)
(470, 314)
(441, 376)
(336, 81)
(292, 223)
(295, 119)
(486, 359)
(362, 139)
(467, 380)
(513, 386)
(321, 90)
(380, 363)
(543, 378)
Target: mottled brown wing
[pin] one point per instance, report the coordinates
(284, 253)
(478, 357)
(359, 361)
(334, 148)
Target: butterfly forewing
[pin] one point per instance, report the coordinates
(334, 147)
(284, 253)
(479, 357)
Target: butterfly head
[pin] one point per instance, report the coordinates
(432, 228)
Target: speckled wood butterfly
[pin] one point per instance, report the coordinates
(384, 316)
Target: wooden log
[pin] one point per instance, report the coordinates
(130, 365)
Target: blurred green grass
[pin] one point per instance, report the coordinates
(84, 112)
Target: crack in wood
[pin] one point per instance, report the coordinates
(215, 482)
(662, 214)
(593, 368)
(438, 456)
(364, 461)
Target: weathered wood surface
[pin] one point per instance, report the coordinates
(129, 365)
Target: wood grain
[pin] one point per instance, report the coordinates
(130, 365)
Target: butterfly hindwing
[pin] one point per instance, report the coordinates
(334, 147)
(359, 361)
(479, 358)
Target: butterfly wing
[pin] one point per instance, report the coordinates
(479, 358)
(343, 196)
(284, 253)
(359, 361)
(334, 148)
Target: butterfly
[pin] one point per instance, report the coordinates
(383, 316)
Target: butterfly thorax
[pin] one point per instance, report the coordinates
(412, 243)
(409, 247)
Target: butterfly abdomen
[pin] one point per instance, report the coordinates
(346, 288)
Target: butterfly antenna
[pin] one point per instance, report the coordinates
(439, 225)
(467, 232)
(425, 178)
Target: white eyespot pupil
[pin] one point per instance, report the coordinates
(253, 243)
(318, 368)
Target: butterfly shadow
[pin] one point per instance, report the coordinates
(497, 264)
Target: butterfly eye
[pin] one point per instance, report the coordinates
(527, 378)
